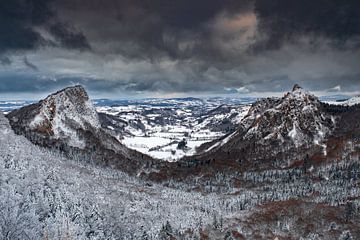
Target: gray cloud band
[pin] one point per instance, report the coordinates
(180, 46)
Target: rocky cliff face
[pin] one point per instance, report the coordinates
(60, 116)
(296, 119)
(277, 131)
(68, 121)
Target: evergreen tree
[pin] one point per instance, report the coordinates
(215, 222)
(166, 231)
(228, 236)
(346, 235)
(145, 236)
(349, 211)
(306, 163)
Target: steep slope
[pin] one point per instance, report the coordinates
(44, 195)
(295, 132)
(276, 132)
(68, 121)
(59, 116)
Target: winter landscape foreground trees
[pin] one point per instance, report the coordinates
(47, 196)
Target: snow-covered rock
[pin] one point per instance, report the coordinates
(296, 117)
(60, 115)
(280, 128)
(67, 120)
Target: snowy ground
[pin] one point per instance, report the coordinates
(47, 191)
(349, 102)
(166, 123)
(8, 106)
(45, 196)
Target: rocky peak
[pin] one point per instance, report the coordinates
(274, 126)
(67, 121)
(296, 116)
(75, 94)
(300, 95)
(60, 115)
(296, 87)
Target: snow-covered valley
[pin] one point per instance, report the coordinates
(169, 129)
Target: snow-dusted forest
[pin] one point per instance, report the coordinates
(47, 196)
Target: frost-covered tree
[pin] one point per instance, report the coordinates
(349, 211)
(346, 235)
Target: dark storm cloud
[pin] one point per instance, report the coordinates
(179, 29)
(283, 20)
(20, 21)
(203, 45)
(178, 14)
(69, 37)
(150, 29)
(17, 18)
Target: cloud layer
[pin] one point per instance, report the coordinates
(161, 47)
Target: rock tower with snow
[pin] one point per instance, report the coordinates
(276, 131)
(67, 120)
(60, 116)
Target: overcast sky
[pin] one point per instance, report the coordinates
(163, 48)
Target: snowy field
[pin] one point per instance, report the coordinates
(171, 129)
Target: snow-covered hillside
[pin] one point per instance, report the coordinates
(349, 102)
(276, 131)
(169, 129)
(87, 195)
(46, 196)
